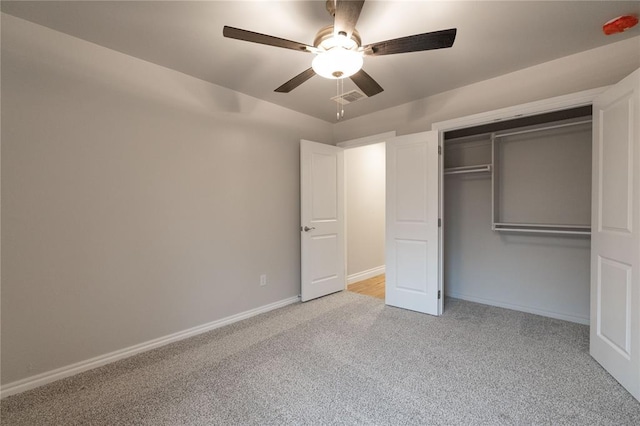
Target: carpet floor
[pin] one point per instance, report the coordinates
(349, 359)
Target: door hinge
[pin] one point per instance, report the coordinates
(439, 150)
(439, 222)
(439, 294)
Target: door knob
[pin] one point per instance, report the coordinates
(307, 229)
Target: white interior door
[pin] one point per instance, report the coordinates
(322, 219)
(615, 240)
(412, 232)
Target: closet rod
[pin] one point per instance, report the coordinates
(543, 231)
(468, 169)
(539, 129)
(541, 225)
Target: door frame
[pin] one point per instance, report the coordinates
(572, 100)
(558, 103)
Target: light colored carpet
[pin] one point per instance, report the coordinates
(349, 359)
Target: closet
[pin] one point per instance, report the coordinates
(517, 213)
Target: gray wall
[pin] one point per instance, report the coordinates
(545, 176)
(365, 200)
(136, 201)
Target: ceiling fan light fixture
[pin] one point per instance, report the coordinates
(337, 63)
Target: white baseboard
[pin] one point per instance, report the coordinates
(79, 367)
(530, 310)
(369, 273)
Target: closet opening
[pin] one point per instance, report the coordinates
(517, 214)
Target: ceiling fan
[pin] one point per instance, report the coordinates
(338, 47)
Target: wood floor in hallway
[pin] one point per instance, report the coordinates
(373, 286)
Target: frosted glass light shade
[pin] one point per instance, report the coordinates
(337, 63)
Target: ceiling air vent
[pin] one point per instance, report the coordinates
(347, 98)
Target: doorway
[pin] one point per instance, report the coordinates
(365, 218)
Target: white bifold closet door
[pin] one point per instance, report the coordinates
(615, 240)
(412, 232)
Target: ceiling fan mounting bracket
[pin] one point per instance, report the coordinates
(326, 33)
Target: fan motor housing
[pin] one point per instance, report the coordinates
(326, 33)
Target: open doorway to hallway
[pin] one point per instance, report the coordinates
(365, 219)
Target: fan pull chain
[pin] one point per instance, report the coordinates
(337, 98)
(341, 93)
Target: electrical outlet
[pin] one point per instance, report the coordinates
(263, 280)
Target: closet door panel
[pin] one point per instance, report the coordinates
(412, 233)
(615, 245)
(616, 163)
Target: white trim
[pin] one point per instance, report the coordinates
(363, 275)
(367, 140)
(533, 108)
(79, 367)
(530, 310)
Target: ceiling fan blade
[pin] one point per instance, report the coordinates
(415, 43)
(296, 81)
(367, 84)
(245, 35)
(346, 16)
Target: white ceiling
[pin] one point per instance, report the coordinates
(493, 38)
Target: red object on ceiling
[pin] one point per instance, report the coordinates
(620, 24)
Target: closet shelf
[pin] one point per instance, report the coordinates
(538, 228)
(468, 169)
